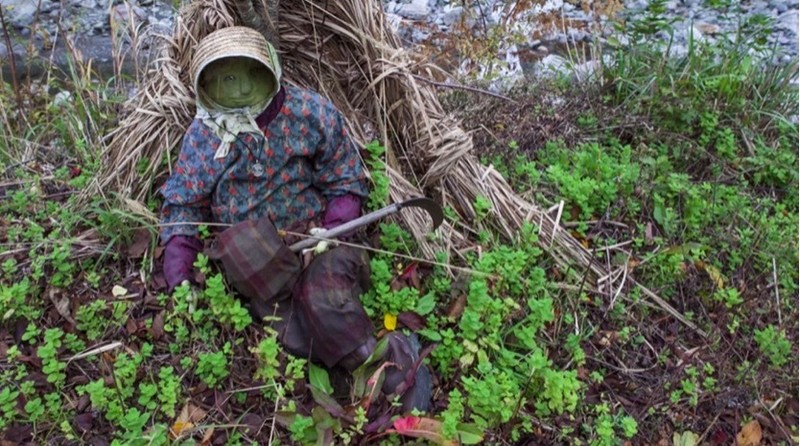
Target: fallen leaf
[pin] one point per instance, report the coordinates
(18, 433)
(411, 275)
(189, 416)
(140, 244)
(411, 320)
(62, 305)
(750, 435)
(131, 326)
(390, 321)
(431, 430)
(157, 328)
(687, 438)
(207, 437)
(178, 428)
(419, 427)
(715, 275)
(252, 423)
(118, 291)
(457, 307)
(84, 422)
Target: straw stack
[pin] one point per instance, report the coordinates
(345, 50)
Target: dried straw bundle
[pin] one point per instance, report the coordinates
(345, 50)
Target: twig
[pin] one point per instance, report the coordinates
(777, 291)
(395, 254)
(708, 429)
(572, 224)
(463, 87)
(668, 308)
(95, 351)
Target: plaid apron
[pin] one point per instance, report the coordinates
(320, 314)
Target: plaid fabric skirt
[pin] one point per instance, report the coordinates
(318, 314)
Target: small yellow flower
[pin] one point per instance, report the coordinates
(390, 321)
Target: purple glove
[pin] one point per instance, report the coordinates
(179, 255)
(341, 210)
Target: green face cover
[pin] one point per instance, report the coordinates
(237, 82)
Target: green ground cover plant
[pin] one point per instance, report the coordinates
(681, 171)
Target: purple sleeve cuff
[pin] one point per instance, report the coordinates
(341, 210)
(180, 252)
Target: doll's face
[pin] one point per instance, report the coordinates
(236, 82)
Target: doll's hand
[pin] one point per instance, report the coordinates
(179, 255)
(322, 246)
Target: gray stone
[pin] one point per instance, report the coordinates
(21, 12)
(789, 21)
(62, 98)
(758, 6)
(452, 14)
(416, 10)
(394, 21)
(124, 14)
(553, 65)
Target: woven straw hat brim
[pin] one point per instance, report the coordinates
(234, 41)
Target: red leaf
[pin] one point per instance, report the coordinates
(419, 427)
(84, 422)
(18, 434)
(411, 320)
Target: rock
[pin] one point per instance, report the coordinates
(452, 15)
(708, 29)
(553, 64)
(21, 12)
(394, 21)
(415, 10)
(788, 21)
(62, 98)
(124, 13)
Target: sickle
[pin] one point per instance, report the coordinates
(430, 206)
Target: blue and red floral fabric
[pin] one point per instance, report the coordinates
(307, 156)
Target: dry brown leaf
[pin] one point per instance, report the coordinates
(206, 441)
(189, 416)
(140, 244)
(61, 304)
(750, 435)
(457, 307)
(178, 428)
(713, 273)
(157, 329)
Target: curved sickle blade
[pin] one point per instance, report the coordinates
(431, 207)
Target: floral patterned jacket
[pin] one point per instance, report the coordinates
(304, 158)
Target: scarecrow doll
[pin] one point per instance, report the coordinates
(270, 158)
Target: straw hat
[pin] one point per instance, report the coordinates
(234, 41)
